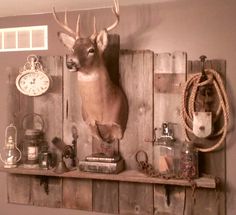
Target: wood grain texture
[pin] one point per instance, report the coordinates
(212, 163)
(203, 201)
(153, 99)
(125, 176)
(19, 189)
(77, 194)
(72, 119)
(40, 198)
(169, 200)
(105, 196)
(167, 103)
(136, 69)
(72, 115)
(136, 198)
(49, 105)
(18, 186)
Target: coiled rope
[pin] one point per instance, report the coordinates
(190, 90)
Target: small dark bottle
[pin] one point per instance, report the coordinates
(45, 158)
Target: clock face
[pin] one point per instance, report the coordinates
(32, 83)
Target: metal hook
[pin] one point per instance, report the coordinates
(203, 60)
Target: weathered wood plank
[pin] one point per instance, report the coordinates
(77, 194)
(136, 69)
(125, 176)
(72, 115)
(169, 200)
(72, 119)
(136, 198)
(212, 163)
(203, 201)
(17, 105)
(167, 104)
(49, 105)
(18, 189)
(40, 198)
(105, 196)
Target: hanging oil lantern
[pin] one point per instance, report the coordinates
(33, 141)
(11, 154)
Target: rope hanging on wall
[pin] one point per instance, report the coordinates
(190, 91)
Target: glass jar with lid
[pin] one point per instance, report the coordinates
(164, 151)
(189, 161)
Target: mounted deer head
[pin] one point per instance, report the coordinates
(104, 105)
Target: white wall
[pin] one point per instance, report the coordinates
(195, 26)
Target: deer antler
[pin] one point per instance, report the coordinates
(116, 11)
(65, 25)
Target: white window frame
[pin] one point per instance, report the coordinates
(28, 28)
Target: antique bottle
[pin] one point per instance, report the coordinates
(45, 158)
(189, 161)
(164, 151)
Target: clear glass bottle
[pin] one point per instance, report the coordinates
(164, 151)
(189, 161)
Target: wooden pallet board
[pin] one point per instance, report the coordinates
(41, 198)
(153, 84)
(136, 198)
(19, 189)
(125, 176)
(169, 73)
(77, 194)
(212, 163)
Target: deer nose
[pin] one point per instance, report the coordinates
(72, 64)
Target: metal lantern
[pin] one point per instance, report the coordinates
(11, 153)
(33, 141)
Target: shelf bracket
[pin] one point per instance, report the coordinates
(44, 181)
(167, 195)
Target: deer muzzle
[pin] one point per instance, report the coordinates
(72, 63)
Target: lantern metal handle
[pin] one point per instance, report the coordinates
(34, 115)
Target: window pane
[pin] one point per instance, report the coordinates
(28, 38)
(0, 40)
(23, 39)
(37, 38)
(10, 40)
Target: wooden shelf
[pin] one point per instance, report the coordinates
(125, 176)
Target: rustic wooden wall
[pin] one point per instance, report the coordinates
(152, 83)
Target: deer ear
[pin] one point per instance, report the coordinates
(102, 40)
(67, 40)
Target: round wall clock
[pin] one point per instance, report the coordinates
(33, 81)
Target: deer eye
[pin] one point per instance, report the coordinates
(91, 51)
